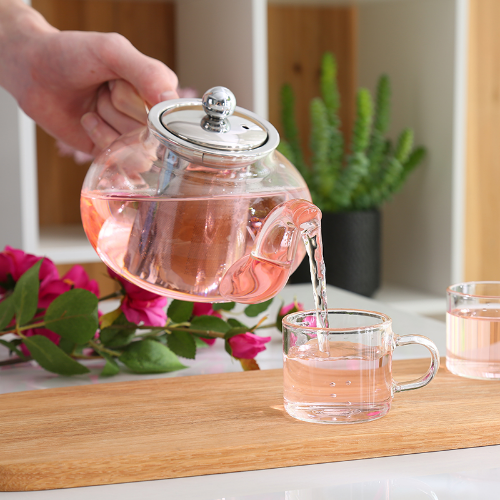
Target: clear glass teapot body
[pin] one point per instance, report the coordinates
(182, 228)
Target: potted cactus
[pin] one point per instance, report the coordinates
(349, 184)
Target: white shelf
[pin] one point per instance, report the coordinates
(411, 300)
(66, 245)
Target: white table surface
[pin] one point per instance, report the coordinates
(459, 474)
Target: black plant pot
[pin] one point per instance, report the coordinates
(351, 248)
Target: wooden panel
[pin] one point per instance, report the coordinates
(482, 231)
(150, 26)
(60, 181)
(298, 36)
(179, 427)
(96, 271)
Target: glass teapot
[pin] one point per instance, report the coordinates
(198, 205)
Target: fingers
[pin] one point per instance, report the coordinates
(109, 123)
(126, 99)
(154, 81)
(100, 133)
(121, 122)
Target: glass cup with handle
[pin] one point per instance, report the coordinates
(350, 381)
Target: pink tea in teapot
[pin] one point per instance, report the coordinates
(184, 248)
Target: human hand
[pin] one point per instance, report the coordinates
(60, 77)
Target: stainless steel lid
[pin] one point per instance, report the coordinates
(213, 127)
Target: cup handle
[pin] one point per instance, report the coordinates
(433, 368)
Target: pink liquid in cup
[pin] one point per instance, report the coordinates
(473, 341)
(352, 383)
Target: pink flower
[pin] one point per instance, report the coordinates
(247, 345)
(291, 308)
(76, 277)
(288, 309)
(310, 321)
(139, 305)
(205, 309)
(14, 263)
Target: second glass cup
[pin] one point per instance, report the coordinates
(473, 329)
(350, 380)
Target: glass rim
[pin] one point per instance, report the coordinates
(451, 290)
(386, 320)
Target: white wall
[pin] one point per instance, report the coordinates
(18, 181)
(414, 42)
(224, 42)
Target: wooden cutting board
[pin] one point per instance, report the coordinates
(188, 426)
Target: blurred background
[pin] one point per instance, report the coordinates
(442, 57)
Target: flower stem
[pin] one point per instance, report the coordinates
(101, 348)
(14, 361)
(83, 356)
(198, 333)
(274, 325)
(16, 329)
(111, 296)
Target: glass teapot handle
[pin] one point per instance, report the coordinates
(262, 274)
(277, 241)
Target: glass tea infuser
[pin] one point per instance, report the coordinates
(198, 205)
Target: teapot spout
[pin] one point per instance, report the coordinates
(263, 274)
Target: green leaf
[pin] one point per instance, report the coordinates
(234, 323)
(7, 310)
(321, 138)
(111, 367)
(51, 358)
(279, 317)
(12, 348)
(199, 343)
(227, 347)
(182, 344)
(67, 345)
(149, 356)
(118, 337)
(210, 323)
(235, 331)
(180, 311)
(363, 123)
(382, 105)
(290, 129)
(255, 309)
(404, 145)
(25, 296)
(285, 149)
(73, 315)
(225, 306)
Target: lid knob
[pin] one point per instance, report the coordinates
(218, 103)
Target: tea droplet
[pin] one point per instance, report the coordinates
(333, 395)
(348, 382)
(332, 384)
